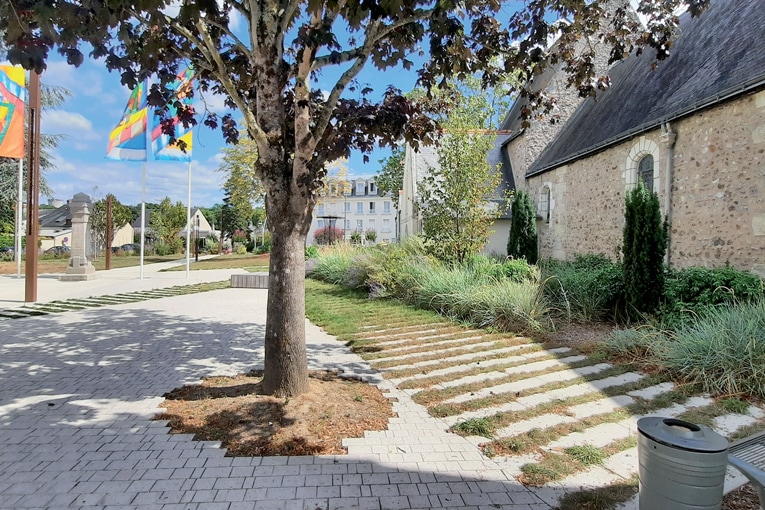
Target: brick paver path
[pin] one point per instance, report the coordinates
(78, 390)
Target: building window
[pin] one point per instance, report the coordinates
(386, 225)
(360, 207)
(371, 188)
(347, 206)
(386, 207)
(545, 202)
(645, 172)
(641, 165)
(320, 224)
(359, 188)
(321, 209)
(359, 225)
(347, 224)
(371, 224)
(371, 207)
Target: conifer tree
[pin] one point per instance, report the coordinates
(522, 242)
(645, 241)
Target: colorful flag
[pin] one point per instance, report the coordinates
(127, 141)
(160, 142)
(13, 94)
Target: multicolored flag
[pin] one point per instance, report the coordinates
(127, 141)
(13, 94)
(160, 142)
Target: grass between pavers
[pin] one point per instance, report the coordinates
(602, 498)
(406, 373)
(433, 396)
(76, 304)
(561, 406)
(554, 466)
(388, 335)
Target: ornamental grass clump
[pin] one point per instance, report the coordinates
(723, 351)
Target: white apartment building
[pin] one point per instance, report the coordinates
(361, 209)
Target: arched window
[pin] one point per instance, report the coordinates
(645, 172)
(544, 207)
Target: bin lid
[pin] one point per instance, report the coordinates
(682, 434)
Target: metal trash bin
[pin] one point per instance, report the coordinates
(681, 465)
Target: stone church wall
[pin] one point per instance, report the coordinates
(718, 191)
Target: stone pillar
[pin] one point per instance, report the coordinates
(79, 268)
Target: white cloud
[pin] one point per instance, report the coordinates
(210, 102)
(73, 125)
(123, 179)
(86, 80)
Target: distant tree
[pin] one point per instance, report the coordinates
(166, 223)
(643, 248)
(121, 214)
(236, 214)
(456, 197)
(522, 242)
(390, 176)
(267, 57)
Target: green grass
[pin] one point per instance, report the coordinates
(249, 261)
(474, 427)
(586, 455)
(603, 498)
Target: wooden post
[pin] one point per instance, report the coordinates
(33, 189)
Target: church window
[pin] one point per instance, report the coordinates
(645, 171)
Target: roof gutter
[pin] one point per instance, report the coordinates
(705, 103)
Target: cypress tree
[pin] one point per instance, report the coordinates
(645, 241)
(522, 242)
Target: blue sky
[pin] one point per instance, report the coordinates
(97, 103)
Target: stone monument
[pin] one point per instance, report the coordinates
(79, 268)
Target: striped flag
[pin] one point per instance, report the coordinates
(160, 142)
(13, 94)
(127, 141)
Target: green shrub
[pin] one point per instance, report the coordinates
(311, 252)
(722, 350)
(163, 249)
(589, 288)
(333, 265)
(7, 240)
(522, 241)
(241, 249)
(694, 291)
(514, 269)
(644, 244)
(636, 344)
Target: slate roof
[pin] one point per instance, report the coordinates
(719, 55)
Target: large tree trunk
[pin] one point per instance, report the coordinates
(286, 363)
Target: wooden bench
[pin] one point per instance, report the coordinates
(748, 456)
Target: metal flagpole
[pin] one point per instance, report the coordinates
(143, 214)
(19, 217)
(188, 225)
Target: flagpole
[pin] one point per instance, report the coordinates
(143, 214)
(188, 225)
(19, 217)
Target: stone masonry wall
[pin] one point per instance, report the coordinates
(718, 191)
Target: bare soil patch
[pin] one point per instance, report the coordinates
(233, 410)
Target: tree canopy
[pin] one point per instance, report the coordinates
(266, 57)
(121, 214)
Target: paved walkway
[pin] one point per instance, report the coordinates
(78, 391)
